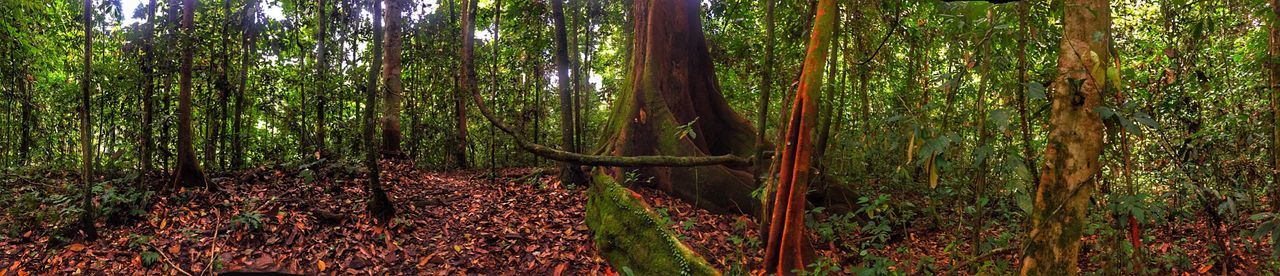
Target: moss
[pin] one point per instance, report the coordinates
(628, 234)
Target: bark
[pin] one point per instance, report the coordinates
(322, 75)
(379, 205)
(787, 249)
(569, 173)
(826, 114)
(248, 56)
(28, 118)
(674, 107)
(629, 234)
(394, 92)
(224, 91)
(1274, 66)
(188, 173)
(980, 177)
(86, 169)
(1075, 141)
(1028, 158)
(148, 90)
(766, 89)
(466, 84)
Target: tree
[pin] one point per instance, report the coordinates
(379, 205)
(1075, 140)
(86, 142)
(148, 90)
(322, 71)
(569, 173)
(1273, 52)
(393, 93)
(787, 249)
(674, 107)
(247, 59)
(466, 84)
(188, 171)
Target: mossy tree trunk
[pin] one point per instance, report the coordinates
(86, 142)
(787, 249)
(1075, 140)
(674, 108)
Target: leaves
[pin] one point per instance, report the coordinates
(76, 247)
(321, 265)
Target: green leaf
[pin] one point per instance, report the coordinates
(1035, 91)
(1146, 120)
(1104, 112)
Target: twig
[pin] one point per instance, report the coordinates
(168, 261)
(984, 256)
(213, 251)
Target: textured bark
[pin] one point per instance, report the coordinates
(629, 234)
(787, 249)
(569, 173)
(86, 144)
(466, 85)
(188, 173)
(1075, 141)
(379, 205)
(394, 92)
(673, 87)
(322, 74)
(248, 57)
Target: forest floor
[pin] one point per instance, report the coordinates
(520, 222)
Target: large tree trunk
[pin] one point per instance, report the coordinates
(86, 169)
(569, 173)
(188, 172)
(322, 72)
(1075, 140)
(379, 205)
(674, 107)
(466, 83)
(247, 58)
(787, 249)
(391, 134)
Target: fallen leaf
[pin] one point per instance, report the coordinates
(320, 265)
(560, 268)
(1205, 269)
(76, 247)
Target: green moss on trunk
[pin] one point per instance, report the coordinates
(630, 236)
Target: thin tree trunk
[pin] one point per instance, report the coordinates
(247, 58)
(148, 90)
(1274, 52)
(394, 91)
(826, 114)
(86, 169)
(28, 118)
(980, 177)
(1028, 158)
(569, 173)
(188, 171)
(322, 75)
(787, 249)
(466, 83)
(379, 205)
(1075, 141)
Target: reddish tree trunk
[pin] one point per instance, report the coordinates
(787, 249)
(675, 108)
(188, 172)
(392, 46)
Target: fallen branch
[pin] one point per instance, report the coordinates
(605, 160)
(168, 261)
(979, 258)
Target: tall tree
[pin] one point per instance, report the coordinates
(787, 249)
(1274, 64)
(322, 72)
(248, 57)
(393, 93)
(766, 89)
(148, 89)
(379, 205)
(466, 83)
(188, 171)
(86, 144)
(1075, 140)
(569, 173)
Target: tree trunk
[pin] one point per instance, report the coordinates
(379, 205)
(393, 47)
(766, 89)
(322, 72)
(980, 176)
(569, 173)
(28, 118)
(1075, 140)
(148, 90)
(248, 56)
(86, 169)
(188, 172)
(466, 83)
(826, 114)
(1274, 52)
(787, 248)
(675, 108)
(1028, 158)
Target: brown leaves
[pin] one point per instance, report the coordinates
(76, 247)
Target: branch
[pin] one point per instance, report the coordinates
(605, 160)
(988, 1)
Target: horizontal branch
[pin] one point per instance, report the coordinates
(604, 160)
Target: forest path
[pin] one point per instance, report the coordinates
(308, 222)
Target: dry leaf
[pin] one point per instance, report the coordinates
(560, 268)
(76, 247)
(1205, 269)
(320, 265)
